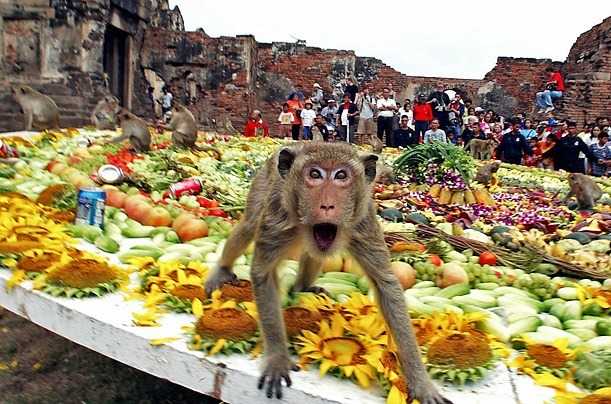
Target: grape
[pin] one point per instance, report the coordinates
(538, 284)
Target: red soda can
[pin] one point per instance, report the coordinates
(191, 186)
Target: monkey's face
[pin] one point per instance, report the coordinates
(330, 193)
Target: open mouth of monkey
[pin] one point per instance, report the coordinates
(324, 235)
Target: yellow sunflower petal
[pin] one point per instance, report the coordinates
(361, 378)
(218, 346)
(16, 278)
(325, 366)
(162, 341)
(197, 307)
(548, 380)
(395, 396)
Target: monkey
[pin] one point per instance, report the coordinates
(485, 172)
(184, 130)
(481, 149)
(316, 135)
(585, 190)
(317, 196)
(376, 143)
(135, 130)
(39, 110)
(104, 115)
(384, 174)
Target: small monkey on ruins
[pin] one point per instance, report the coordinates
(135, 130)
(39, 111)
(585, 190)
(317, 196)
(104, 115)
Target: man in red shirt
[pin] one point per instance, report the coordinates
(423, 115)
(255, 126)
(554, 88)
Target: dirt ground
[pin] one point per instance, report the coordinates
(37, 366)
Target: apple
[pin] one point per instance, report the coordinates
(131, 201)
(141, 211)
(74, 159)
(157, 217)
(333, 263)
(192, 229)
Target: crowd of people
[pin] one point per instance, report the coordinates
(356, 114)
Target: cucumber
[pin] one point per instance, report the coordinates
(342, 275)
(421, 292)
(487, 286)
(424, 284)
(583, 333)
(588, 324)
(458, 289)
(550, 321)
(527, 324)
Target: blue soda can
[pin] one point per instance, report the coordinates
(90, 206)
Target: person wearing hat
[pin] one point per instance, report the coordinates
(566, 152)
(317, 97)
(513, 146)
(423, 115)
(307, 119)
(255, 126)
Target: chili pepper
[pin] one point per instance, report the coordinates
(217, 212)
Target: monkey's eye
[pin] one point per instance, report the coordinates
(315, 174)
(341, 175)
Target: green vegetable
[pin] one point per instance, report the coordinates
(493, 324)
(172, 237)
(593, 369)
(558, 310)
(414, 305)
(603, 327)
(113, 231)
(451, 291)
(421, 292)
(583, 333)
(424, 284)
(567, 293)
(107, 244)
(513, 300)
(589, 324)
(572, 310)
(160, 230)
(555, 334)
(487, 286)
(137, 231)
(7, 171)
(527, 324)
(352, 278)
(125, 256)
(602, 342)
(455, 256)
(547, 304)
(550, 321)
(363, 284)
(592, 309)
(476, 298)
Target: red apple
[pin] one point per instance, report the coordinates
(141, 211)
(192, 229)
(131, 201)
(158, 216)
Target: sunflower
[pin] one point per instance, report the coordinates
(240, 290)
(321, 303)
(541, 358)
(359, 305)
(81, 276)
(600, 396)
(23, 232)
(427, 327)
(223, 326)
(37, 261)
(333, 350)
(459, 357)
(181, 296)
(298, 319)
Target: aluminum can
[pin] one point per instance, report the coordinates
(90, 205)
(191, 186)
(110, 174)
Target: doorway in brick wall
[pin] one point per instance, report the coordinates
(116, 62)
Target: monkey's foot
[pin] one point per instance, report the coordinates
(316, 289)
(276, 369)
(218, 278)
(426, 393)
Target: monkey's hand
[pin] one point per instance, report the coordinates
(220, 276)
(276, 369)
(425, 392)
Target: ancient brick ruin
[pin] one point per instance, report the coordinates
(72, 49)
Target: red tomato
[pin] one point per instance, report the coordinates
(435, 260)
(487, 258)
(217, 212)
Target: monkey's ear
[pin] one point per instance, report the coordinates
(286, 157)
(369, 161)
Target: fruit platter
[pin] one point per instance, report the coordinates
(507, 283)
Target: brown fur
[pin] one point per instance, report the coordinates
(481, 149)
(317, 135)
(485, 172)
(104, 115)
(135, 130)
(287, 206)
(376, 143)
(183, 127)
(39, 111)
(585, 190)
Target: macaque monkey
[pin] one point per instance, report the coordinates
(585, 190)
(376, 143)
(316, 135)
(317, 196)
(39, 110)
(481, 149)
(384, 174)
(135, 130)
(485, 172)
(184, 130)
(104, 115)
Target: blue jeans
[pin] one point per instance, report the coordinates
(307, 133)
(545, 98)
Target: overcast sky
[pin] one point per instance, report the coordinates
(429, 38)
